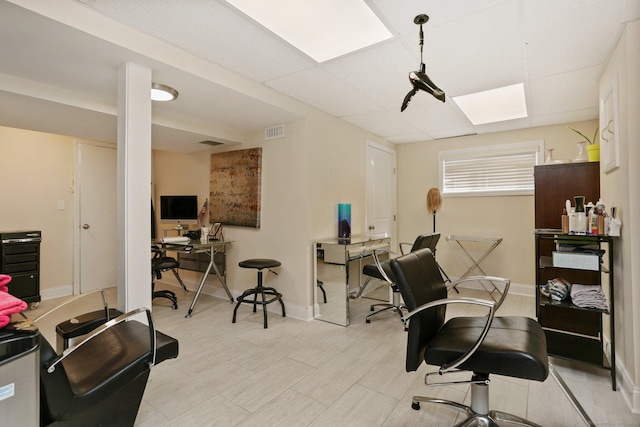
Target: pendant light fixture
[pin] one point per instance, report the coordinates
(419, 79)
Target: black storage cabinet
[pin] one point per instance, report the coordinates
(20, 259)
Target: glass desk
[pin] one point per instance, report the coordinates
(211, 248)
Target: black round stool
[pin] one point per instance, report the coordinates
(259, 264)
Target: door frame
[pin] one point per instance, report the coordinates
(374, 145)
(75, 188)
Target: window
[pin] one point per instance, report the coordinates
(504, 170)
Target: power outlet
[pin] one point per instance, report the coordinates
(60, 205)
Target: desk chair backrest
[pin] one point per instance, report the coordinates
(420, 282)
(426, 241)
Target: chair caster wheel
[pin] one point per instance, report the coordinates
(175, 306)
(367, 320)
(371, 308)
(415, 405)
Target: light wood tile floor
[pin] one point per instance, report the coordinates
(298, 373)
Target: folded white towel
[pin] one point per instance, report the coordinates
(175, 240)
(588, 296)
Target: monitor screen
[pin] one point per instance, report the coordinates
(182, 209)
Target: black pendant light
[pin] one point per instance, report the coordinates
(419, 79)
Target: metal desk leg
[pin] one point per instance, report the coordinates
(213, 265)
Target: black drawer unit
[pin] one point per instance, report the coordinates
(20, 259)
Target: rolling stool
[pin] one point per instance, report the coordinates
(259, 264)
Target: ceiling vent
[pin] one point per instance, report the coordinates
(274, 132)
(209, 142)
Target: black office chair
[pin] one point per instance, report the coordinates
(101, 380)
(509, 346)
(159, 263)
(381, 270)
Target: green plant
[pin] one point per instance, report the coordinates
(590, 141)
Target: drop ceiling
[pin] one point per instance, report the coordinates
(59, 62)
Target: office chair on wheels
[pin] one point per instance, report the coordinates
(159, 263)
(508, 346)
(381, 270)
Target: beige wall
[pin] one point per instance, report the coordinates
(318, 164)
(620, 186)
(511, 217)
(36, 172)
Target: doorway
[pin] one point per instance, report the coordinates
(95, 222)
(381, 192)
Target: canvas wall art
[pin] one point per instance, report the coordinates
(235, 185)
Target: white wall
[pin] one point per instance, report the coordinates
(511, 217)
(36, 172)
(620, 186)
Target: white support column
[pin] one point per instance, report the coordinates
(134, 190)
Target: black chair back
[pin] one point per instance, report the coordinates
(420, 282)
(426, 241)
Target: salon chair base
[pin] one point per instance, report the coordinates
(481, 417)
(395, 307)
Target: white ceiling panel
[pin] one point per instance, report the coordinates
(234, 76)
(312, 86)
(569, 91)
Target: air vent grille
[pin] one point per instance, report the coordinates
(273, 132)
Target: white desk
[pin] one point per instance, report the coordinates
(457, 244)
(196, 246)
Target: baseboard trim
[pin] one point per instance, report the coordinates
(63, 291)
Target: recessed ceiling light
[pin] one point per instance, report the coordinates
(495, 105)
(323, 29)
(160, 92)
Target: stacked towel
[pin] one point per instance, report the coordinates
(556, 289)
(8, 303)
(588, 296)
(4, 281)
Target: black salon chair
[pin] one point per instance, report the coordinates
(381, 270)
(100, 381)
(160, 263)
(508, 346)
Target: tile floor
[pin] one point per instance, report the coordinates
(314, 373)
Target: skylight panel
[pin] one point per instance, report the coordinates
(495, 105)
(323, 29)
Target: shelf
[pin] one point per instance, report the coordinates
(568, 304)
(547, 262)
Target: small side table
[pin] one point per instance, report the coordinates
(457, 244)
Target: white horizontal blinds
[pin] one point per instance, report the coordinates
(497, 170)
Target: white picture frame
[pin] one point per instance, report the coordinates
(609, 127)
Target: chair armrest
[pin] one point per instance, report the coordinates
(507, 284)
(476, 301)
(376, 261)
(402, 244)
(52, 366)
(105, 305)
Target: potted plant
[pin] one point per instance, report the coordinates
(593, 149)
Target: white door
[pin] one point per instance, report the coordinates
(381, 191)
(97, 201)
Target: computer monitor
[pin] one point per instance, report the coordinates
(179, 209)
